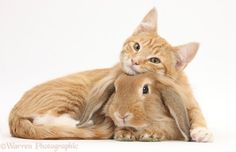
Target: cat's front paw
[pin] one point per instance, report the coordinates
(151, 135)
(201, 135)
(124, 134)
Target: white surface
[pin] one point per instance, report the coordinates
(41, 40)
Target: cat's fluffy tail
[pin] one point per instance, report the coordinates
(24, 128)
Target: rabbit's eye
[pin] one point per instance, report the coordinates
(145, 89)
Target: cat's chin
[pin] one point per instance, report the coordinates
(129, 70)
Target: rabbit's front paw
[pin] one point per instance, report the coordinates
(151, 135)
(201, 135)
(124, 134)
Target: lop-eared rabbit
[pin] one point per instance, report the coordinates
(148, 107)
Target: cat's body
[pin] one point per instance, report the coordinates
(144, 51)
(53, 109)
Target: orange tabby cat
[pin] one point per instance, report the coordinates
(145, 51)
(53, 109)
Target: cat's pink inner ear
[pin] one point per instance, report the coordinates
(185, 54)
(148, 24)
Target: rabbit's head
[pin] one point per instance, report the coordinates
(142, 99)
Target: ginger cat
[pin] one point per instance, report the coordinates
(145, 51)
(54, 109)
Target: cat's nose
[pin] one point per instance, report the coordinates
(134, 62)
(123, 118)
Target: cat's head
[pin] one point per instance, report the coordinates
(146, 51)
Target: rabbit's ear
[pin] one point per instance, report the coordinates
(97, 98)
(174, 102)
(107, 105)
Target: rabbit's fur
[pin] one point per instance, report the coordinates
(148, 107)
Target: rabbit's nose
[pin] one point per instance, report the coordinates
(124, 117)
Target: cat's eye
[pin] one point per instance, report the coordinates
(155, 60)
(136, 46)
(145, 89)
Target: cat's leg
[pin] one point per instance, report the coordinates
(198, 126)
(124, 134)
(199, 131)
(45, 126)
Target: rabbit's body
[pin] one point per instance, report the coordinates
(147, 107)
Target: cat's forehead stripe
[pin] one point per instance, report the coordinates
(146, 42)
(156, 49)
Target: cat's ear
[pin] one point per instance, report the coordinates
(148, 24)
(184, 54)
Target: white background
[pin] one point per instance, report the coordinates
(45, 39)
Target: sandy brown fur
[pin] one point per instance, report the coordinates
(158, 115)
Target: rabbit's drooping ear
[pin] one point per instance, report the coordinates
(107, 105)
(174, 102)
(98, 97)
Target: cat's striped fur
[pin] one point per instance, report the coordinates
(67, 95)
